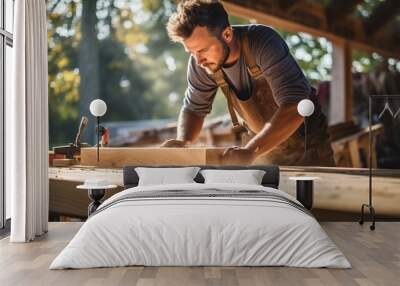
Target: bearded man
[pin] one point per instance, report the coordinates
(262, 83)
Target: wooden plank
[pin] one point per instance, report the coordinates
(342, 130)
(345, 149)
(393, 173)
(355, 154)
(375, 129)
(80, 173)
(121, 156)
(213, 156)
(374, 159)
(63, 162)
(114, 175)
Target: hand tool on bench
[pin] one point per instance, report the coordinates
(71, 149)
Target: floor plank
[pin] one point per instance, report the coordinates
(375, 257)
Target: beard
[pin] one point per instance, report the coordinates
(212, 68)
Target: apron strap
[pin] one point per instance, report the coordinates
(254, 71)
(252, 67)
(227, 91)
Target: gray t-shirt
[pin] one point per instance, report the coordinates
(286, 79)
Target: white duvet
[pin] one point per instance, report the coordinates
(183, 231)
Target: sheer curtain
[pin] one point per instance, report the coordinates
(27, 124)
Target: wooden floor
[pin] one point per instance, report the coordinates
(375, 257)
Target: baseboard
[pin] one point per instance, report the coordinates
(5, 231)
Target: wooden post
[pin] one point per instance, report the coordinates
(341, 90)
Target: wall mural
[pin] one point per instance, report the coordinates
(121, 52)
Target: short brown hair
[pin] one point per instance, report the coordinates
(192, 13)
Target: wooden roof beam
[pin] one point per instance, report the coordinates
(309, 19)
(394, 36)
(287, 5)
(383, 14)
(341, 8)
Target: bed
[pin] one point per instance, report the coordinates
(201, 224)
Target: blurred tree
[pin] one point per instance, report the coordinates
(64, 79)
(312, 54)
(84, 64)
(89, 88)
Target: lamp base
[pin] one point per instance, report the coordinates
(372, 214)
(95, 195)
(305, 193)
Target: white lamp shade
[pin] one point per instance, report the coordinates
(98, 107)
(305, 107)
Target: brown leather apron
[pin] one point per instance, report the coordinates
(256, 111)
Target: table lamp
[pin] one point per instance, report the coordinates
(98, 108)
(305, 108)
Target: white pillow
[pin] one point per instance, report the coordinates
(163, 176)
(248, 177)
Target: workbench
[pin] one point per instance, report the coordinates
(338, 189)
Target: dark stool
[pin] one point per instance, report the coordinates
(305, 190)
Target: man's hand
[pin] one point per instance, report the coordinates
(238, 155)
(274, 132)
(174, 143)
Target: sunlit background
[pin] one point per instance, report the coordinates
(128, 60)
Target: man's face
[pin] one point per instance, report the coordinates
(209, 51)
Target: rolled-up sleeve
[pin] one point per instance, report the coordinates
(285, 77)
(201, 90)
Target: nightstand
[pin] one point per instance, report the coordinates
(305, 190)
(96, 189)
